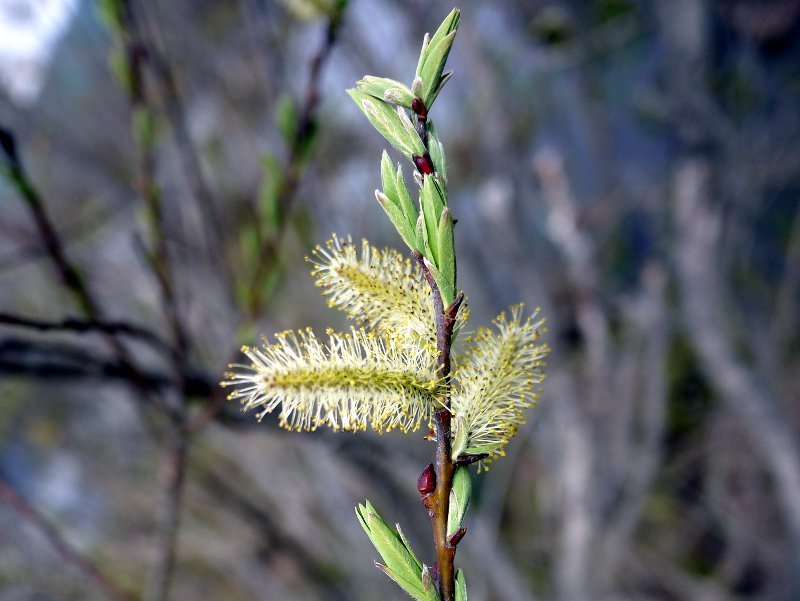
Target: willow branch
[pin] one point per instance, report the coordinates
(445, 467)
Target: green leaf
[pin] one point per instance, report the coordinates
(431, 209)
(437, 153)
(448, 26)
(404, 198)
(446, 289)
(461, 586)
(444, 79)
(269, 210)
(460, 496)
(447, 255)
(422, 233)
(428, 585)
(460, 438)
(385, 89)
(433, 67)
(409, 586)
(286, 118)
(405, 228)
(393, 551)
(434, 55)
(303, 225)
(109, 13)
(407, 545)
(388, 179)
(416, 87)
(392, 124)
(309, 9)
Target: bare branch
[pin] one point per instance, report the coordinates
(81, 326)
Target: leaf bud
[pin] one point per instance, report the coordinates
(427, 481)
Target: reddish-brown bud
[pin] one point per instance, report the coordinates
(427, 481)
(470, 459)
(456, 538)
(423, 163)
(419, 107)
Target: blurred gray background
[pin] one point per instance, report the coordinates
(631, 167)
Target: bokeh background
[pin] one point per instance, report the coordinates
(631, 167)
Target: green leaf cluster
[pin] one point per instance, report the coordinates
(400, 114)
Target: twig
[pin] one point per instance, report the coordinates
(71, 324)
(445, 466)
(304, 131)
(25, 358)
(137, 56)
(166, 545)
(67, 552)
(214, 219)
(69, 273)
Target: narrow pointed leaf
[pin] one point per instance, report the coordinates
(388, 179)
(410, 586)
(406, 230)
(446, 288)
(431, 209)
(437, 153)
(461, 586)
(401, 564)
(444, 79)
(434, 56)
(416, 86)
(460, 497)
(404, 198)
(389, 123)
(407, 545)
(434, 66)
(387, 90)
(447, 257)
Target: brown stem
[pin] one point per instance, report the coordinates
(305, 129)
(138, 56)
(141, 56)
(439, 506)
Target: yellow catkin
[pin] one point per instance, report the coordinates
(497, 380)
(379, 289)
(350, 382)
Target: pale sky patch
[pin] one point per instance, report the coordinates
(29, 32)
